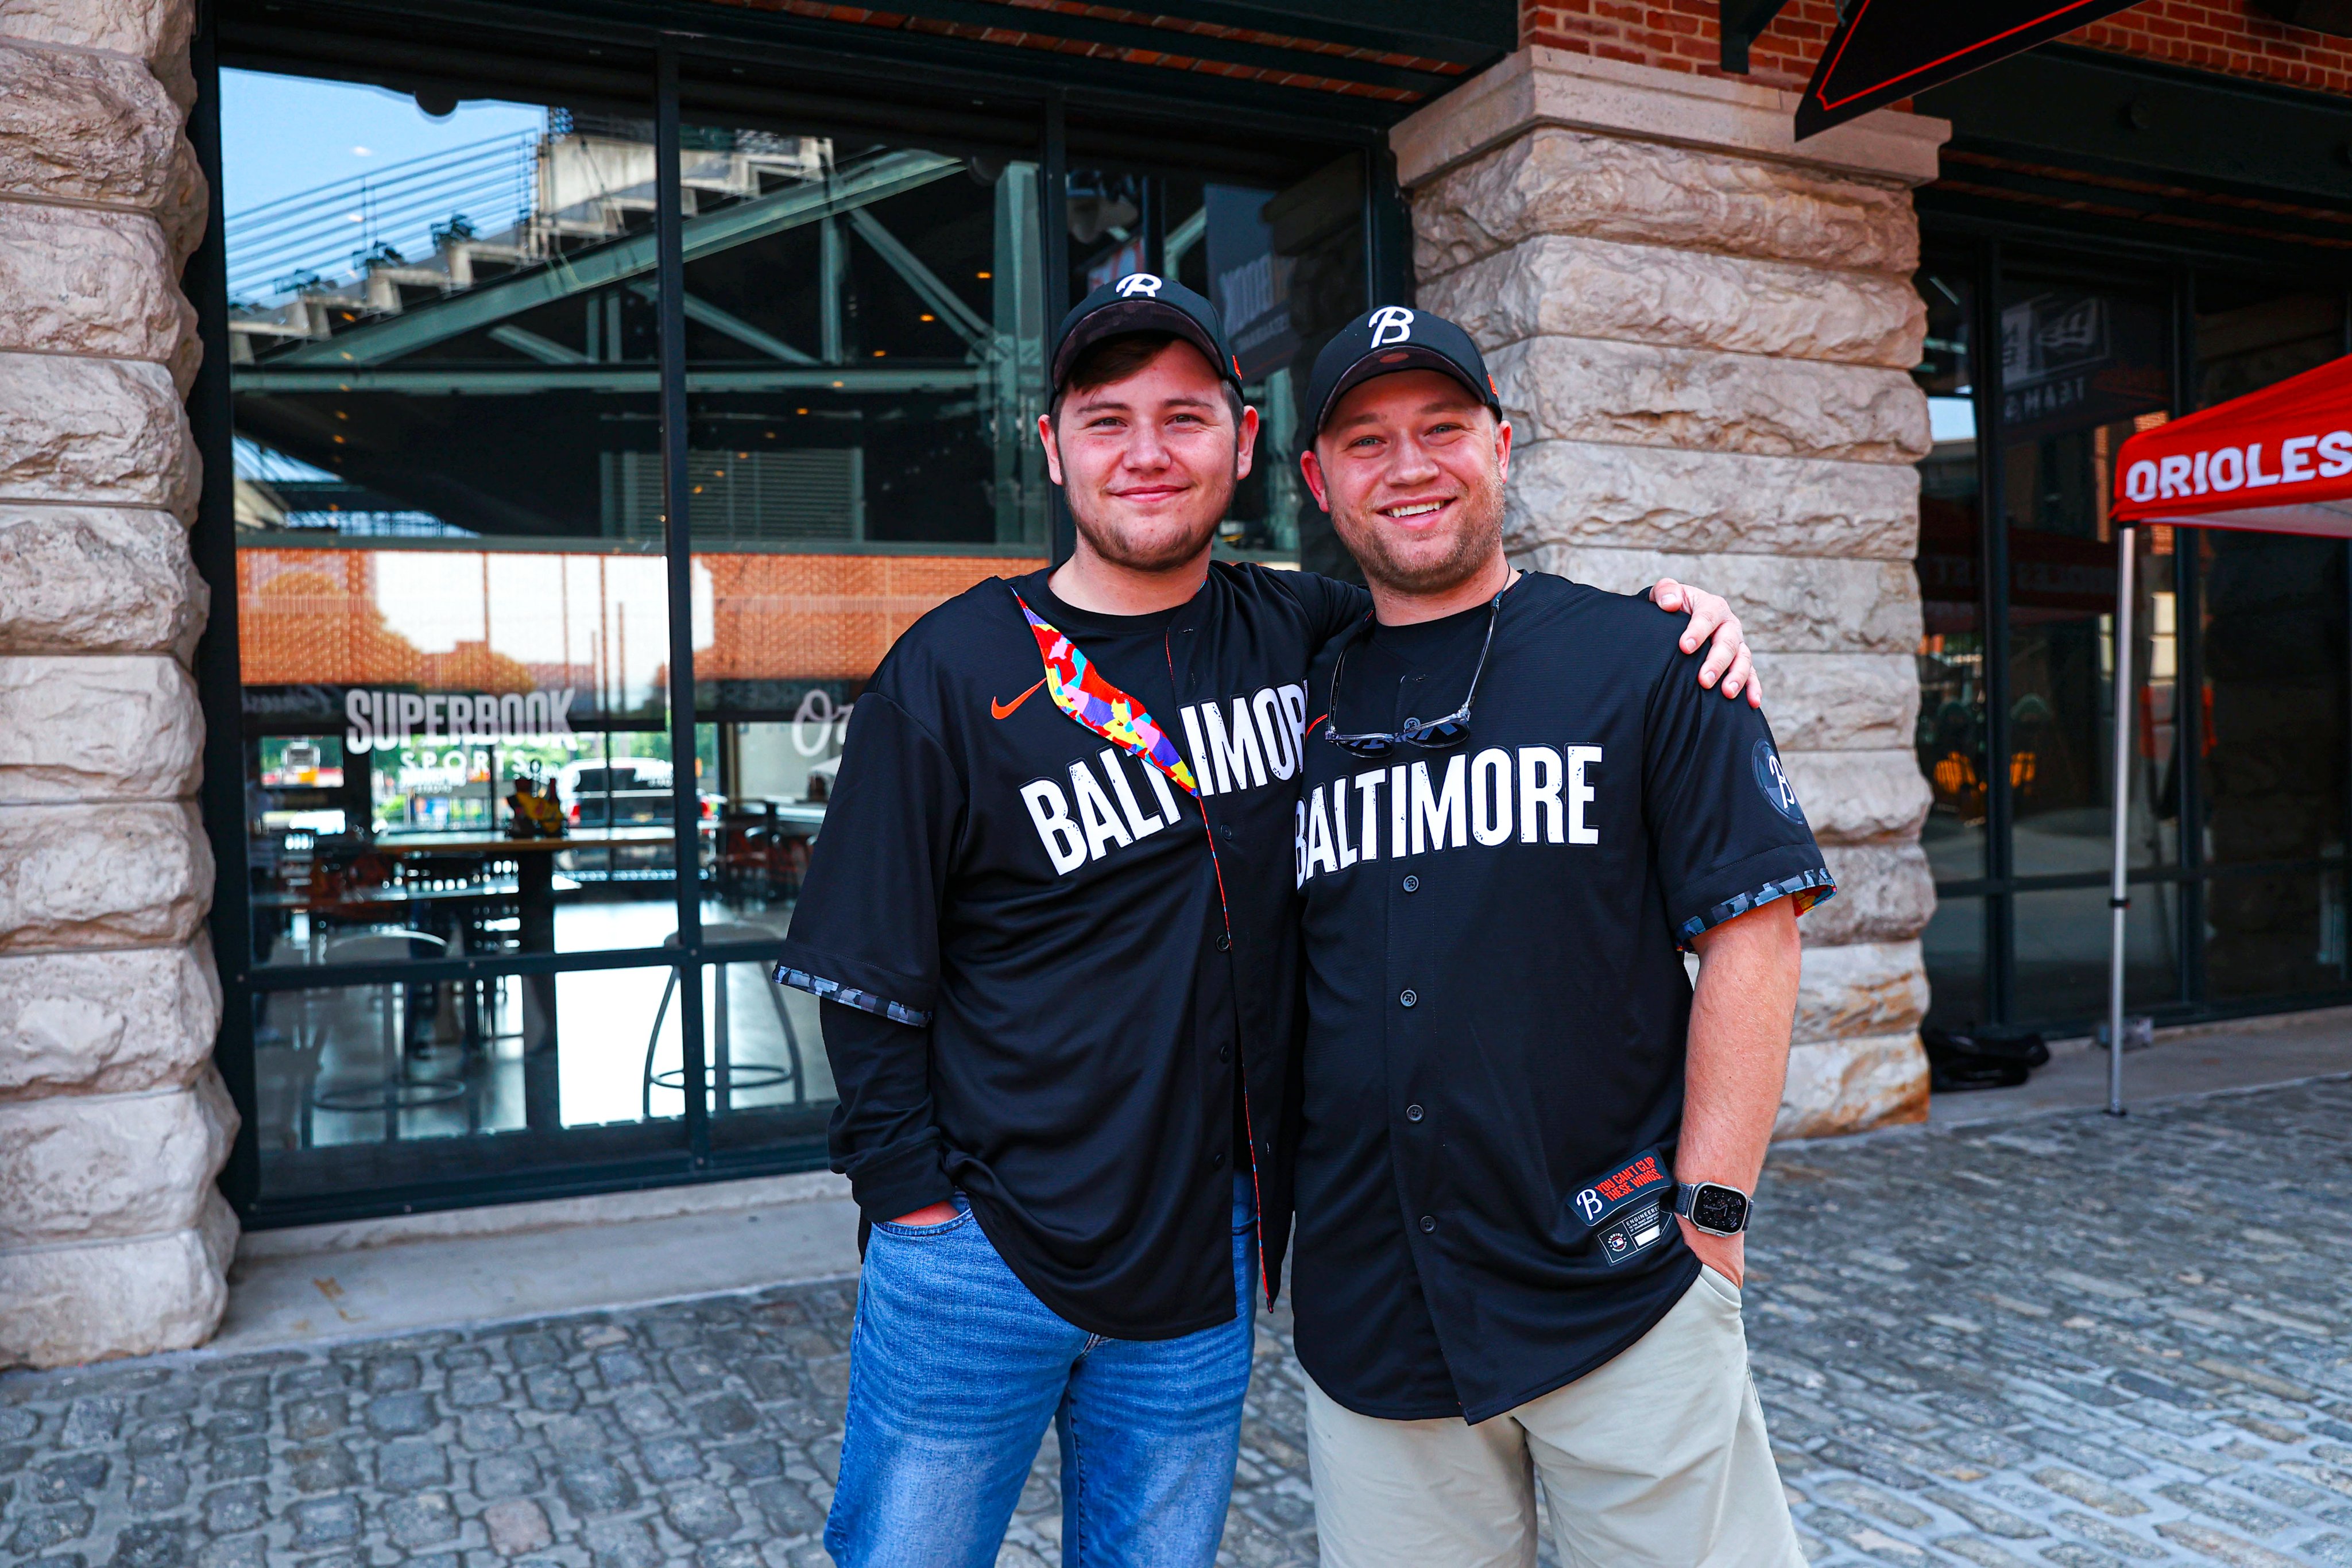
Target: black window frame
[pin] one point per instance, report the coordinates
(909, 83)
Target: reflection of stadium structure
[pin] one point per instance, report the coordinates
(343, 382)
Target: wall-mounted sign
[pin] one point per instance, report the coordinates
(1890, 50)
(386, 719)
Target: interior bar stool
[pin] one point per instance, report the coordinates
(726, 1077)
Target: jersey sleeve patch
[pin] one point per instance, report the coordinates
(826, 990)
(1808, 888)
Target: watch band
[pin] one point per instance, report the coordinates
(1687, 1197)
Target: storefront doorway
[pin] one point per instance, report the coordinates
(2041, 360)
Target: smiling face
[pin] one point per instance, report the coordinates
(1411, 466)
(1149, 459)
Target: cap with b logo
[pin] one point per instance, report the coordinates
(1143, 302)
(1391, 338)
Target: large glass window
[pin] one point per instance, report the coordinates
(2272, 619)
(537, 736)
(2236, 691)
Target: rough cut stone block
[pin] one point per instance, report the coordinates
(1561, 182)
(1853, 797)
(1839, 702)
(1852, 1085)
(1642, 394)
(67, 1305)
(75, 1168)
(86, 128)
(185, 205)
(96, 579)
(74, 281)
(144, 29)
(94, 431)
(154, 31)
(1886, 893)
(1789, 604)
(1868, 987)
(1589, 494)
(1570, 286)
(112, 726)
(101, 876)
(107, 1023)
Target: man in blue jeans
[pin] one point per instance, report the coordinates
(1051, 920)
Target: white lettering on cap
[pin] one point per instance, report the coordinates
(1390, 319)
(1136, 282)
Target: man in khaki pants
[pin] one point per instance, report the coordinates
(1526, 1144)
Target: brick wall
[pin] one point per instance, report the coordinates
(2224, 35)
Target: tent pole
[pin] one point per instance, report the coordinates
(2118, 890)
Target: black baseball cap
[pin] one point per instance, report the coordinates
(1394, 338)
(1143, 302)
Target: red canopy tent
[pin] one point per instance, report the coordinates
(2278, 460)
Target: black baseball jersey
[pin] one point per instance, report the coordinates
(1038, 915)
(1496, 994)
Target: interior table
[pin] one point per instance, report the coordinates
(535, 910)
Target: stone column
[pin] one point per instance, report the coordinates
(1701, 331)
(113, 1240)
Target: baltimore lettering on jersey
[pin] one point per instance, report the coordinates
(1537, 794)
(1251, 742)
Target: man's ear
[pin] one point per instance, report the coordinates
(1503, 447)
(1246, 443)
(1053, 447)
(1312, 467)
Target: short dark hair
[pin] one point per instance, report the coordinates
(1116, 359)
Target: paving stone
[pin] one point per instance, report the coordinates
(235, 1552)
(700, 1511)
(157, 1486)
(325, 1521)
(150, 1546)
(670, 1459)
(320, 1467)
(597, 1486)
(95, 1420)
(318, 1417)
(63, 1481)
(393, 1415)
(516, 1526)
(427, 1520)
(622, 1543)
(41, 1528)
(505, 1475)
(411, 1464)
(228, 1510)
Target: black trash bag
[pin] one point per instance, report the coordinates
(1989, 1056)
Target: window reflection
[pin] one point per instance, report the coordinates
(2081, 370)
(1283, 262)
(2273, 766)
(1952, 739)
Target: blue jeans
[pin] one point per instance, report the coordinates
(955, 1370)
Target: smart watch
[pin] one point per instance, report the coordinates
(1717, 1210)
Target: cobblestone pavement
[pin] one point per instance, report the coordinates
(2069, 1341)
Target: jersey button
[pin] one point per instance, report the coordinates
(1217, 1160)
(1407, 998)
(1412, 884)
(1428, 1223)
(1224, 1053)
(1225, 831)
(1224, 943)
(1413, 1112)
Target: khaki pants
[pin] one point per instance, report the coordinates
(1656, 1460)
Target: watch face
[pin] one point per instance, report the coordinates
(1718, 1208)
